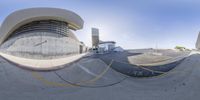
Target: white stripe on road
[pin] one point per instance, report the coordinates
(86, 70)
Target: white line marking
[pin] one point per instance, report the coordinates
(86, 70)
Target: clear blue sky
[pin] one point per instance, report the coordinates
(131, 23)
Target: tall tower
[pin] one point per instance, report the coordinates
(95, 37)
(198, 42)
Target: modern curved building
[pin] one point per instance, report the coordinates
(41, 33)
(198, 42)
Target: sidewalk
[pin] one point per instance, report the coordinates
(195, 52)
(34, 64)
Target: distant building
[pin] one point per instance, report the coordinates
(198, 42)
(101, 46)
(106, 46)
(95, 37)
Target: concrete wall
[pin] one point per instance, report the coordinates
(198, 42)
(41, 45)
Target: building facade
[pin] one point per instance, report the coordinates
(41, 33)
(101, 46)
(95, 37)
(198, 42)
(106, 46)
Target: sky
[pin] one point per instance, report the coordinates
(133, 24)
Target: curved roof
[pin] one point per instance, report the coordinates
(21, 17)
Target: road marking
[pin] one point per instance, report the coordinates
(101, 74)
(86, 70)
(39, 77)
(162, 73)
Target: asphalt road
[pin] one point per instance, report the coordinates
(122, 64)
(92, 79)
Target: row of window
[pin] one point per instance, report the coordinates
(52, 26)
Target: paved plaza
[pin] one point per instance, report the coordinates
(91, 78)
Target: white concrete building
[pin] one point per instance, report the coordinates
(41, 33)
(95, 37)
(106, 46)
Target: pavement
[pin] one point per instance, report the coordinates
(147, 58)
(39, 64)
(91, 78)
(144, 64)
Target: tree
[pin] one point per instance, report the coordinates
(181, 48)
